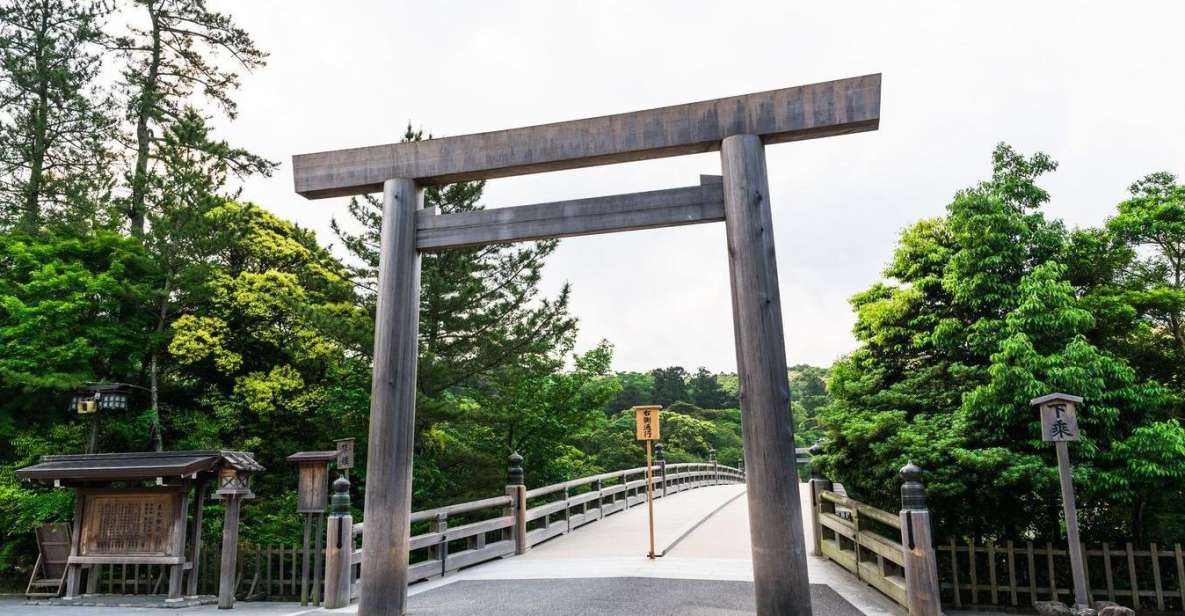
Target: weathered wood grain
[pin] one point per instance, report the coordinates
(803, 112)
(230, 552)
(628, 212)
(392, 406)
(779, 550)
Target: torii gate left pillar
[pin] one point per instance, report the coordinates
(739, 127)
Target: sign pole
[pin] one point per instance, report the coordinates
(1081, 598)
(647, 429)
(650, 497)
(1059, 425)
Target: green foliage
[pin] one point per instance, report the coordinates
(985, 314)
(55, 159)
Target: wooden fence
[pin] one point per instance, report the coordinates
(265, 572)
(864, 540)
(1016, 574)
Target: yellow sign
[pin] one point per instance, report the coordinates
(86, 407)
(646, 422)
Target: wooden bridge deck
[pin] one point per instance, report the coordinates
(717, 549)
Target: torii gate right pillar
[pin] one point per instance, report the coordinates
(779, 550)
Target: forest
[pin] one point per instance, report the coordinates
(129, 255)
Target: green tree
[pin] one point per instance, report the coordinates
(1152, 224)
(54, 132)
(982, 317)
(670, 385)
(706, 392)
(637, 388)
(178, 50)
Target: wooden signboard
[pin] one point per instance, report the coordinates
(1059, 421)
(130, 523)
(345, 453)
(646, 422)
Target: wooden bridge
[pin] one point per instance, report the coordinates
(581, 546)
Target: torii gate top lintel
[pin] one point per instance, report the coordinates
(790, 114)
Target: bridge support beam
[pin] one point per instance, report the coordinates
(779, 551)
(387, 506)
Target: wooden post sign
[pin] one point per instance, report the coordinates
(1059, 425)
(648, 430)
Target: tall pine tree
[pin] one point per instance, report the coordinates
(54, 131)
(179, 50)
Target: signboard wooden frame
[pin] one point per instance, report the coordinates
(647, 424)
(133, 522)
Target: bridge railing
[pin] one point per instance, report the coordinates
(504, 525)
(892, 552)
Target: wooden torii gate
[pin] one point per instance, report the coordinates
(739, 127)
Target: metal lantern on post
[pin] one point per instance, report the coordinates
(95, 397)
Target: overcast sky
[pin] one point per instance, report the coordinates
(1099, 86)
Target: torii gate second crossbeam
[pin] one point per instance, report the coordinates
(739, 127)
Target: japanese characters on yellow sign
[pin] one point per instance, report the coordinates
(646, 422)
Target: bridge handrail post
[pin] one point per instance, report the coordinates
(661, 458)
(818, 484)
(516, 489)
(715, 469)
(339, 547)
(917, 546)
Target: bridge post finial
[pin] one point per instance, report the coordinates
(921, 561)
(913, 494)
(516, 489)
(339, 546)
(514, 473)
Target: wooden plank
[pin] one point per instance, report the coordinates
(1155, 554)
(1131, 572)
(1180, 572)
(991, 555)
(974, 572)
(1012, 582)
(1110, 578)
(954, 567)
(230, 548)
(1052, 571)
(1032, 571)
(803, 112)
(195, 556)
(892, 586)
(628, 212)
(392, 409)
(141, 560)
(779, 550)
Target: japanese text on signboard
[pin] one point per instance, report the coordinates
(646, 421)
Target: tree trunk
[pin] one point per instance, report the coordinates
(158, 443)
(40, 119)
(144, 111)
(154, 372)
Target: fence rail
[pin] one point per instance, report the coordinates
(1017, 574)
(851, 535)
(505, 525)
